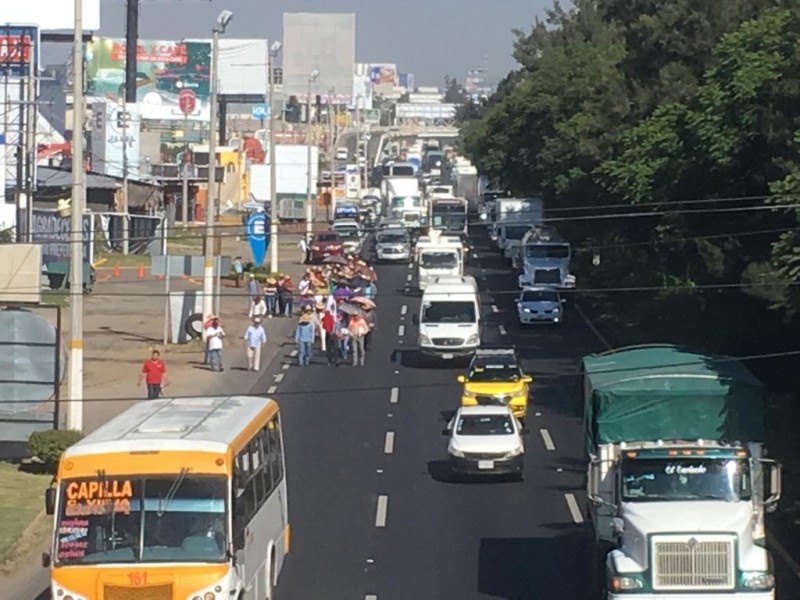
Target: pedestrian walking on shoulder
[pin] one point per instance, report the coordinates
(154, 374)
(215, 334)
(252, 289)
(303, 246)
(254, 339)
(271, 296)
(358, 330)
(206, 326)
(258, 309)
(238, 270)
(331, 341)
(304, 336)
(285, 295)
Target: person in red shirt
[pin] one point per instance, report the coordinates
(154, 373)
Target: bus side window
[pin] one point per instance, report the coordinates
(275, 451)
(267, 471)
(257, 456)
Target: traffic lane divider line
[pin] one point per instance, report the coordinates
(502, 330)
(548, 441)
(381, 511)
(403, 309)
(495, 309)
(394, 395)
(784, 554)
(278, 377)
(401, 330)
(272, 389)
(286, 366)
(388, 444)
(574, 509)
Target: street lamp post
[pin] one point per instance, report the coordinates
(309, 207)
(208, 267)
(75, 405)
(273, 169)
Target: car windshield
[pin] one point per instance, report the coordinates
(661, 479)
(403, 171)
(485, 425)
(516, 232)
(393, 238)
(542, 251)
(327, 237)
(495, 371)
(540, 296)
(448, 312)
(438, 260)
(347, 232)
(178, 518)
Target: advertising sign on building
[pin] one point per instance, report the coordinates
(19, 50)
(52, 231)
(164, 69)
(383, 74)
(115, 138)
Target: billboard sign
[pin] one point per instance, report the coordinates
(19, 49)
(52, 15)
(110, 135)
(164, 69)
(383, 74)
(52, 231)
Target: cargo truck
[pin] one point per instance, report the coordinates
(677, 479)
(542, 258)
(515, 216)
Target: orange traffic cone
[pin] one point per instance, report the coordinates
(117, 270)
(140, 271)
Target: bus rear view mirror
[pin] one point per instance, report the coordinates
(50, 501)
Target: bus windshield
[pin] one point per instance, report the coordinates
(176, 518)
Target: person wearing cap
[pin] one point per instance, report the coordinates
(304, 336)
(254, 339)
(285, 295)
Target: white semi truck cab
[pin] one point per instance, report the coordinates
(678, 481)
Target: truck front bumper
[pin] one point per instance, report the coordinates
(695, 596)
(448, 353)
(496, 466)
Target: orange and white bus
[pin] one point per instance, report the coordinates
(174, 499)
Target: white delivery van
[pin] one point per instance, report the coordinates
(449, 318)
(438, 256)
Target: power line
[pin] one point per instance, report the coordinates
(420, 386)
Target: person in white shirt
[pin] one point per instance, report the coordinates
(303, 246)
(214, 334)
(258, 308)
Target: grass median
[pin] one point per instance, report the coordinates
(24, 526)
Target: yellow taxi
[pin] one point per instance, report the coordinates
(495, 378)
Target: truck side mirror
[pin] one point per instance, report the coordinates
(563, 301)
(461, 379)
(46, 559)
(775, 484)
(50, 501)
(527, 379)
(593, 485)
(445, 432)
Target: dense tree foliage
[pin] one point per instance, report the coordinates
(664, 136)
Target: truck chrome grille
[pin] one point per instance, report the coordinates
(153, 592)
(698, 562)
(447, 341)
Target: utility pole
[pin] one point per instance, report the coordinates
(30, 176)
(309, 141)
(131, 43)
(358, 137)
(331, 152)
(208, 270)
(75, 403)
(185, 175)
(123, 122)
(273, 159)
(21, 160)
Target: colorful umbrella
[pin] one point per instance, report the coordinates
(362, 301)
(336, 259)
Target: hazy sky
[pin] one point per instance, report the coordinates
(430, 38)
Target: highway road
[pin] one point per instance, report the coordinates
(374, 514)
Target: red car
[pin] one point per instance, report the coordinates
(323, 245)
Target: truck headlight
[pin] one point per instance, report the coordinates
(624, 583)
(469, 394)
(424, 340)
(453, 451)
(515, 452)
(556, 311)
(473, 339)
(758, 581)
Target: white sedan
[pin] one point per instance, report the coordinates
(485, 440)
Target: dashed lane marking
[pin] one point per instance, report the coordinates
(502, 330)
(574, 509)
(380, 512)
(548, 441)
(401, 330)
(495, 309)
(388, 444)
(286, 366)
(279, 377)
(410, 277)
(394, 395)
(293, 353)
(272, 389)
(403, 309)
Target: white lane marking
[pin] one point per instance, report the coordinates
(286, 366)
(401, 331)
(394, 396)
(272, 389)
(380, 513)
(502, 330)
(574, 509)
(410, 277)
(548, 441)
(594, 329)
(293, 353)
(403, 309)
(371, 596)
(411, 265)
(538, 414)
(784, 554)
(388, 444)
(495, 309)
(278, 377)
